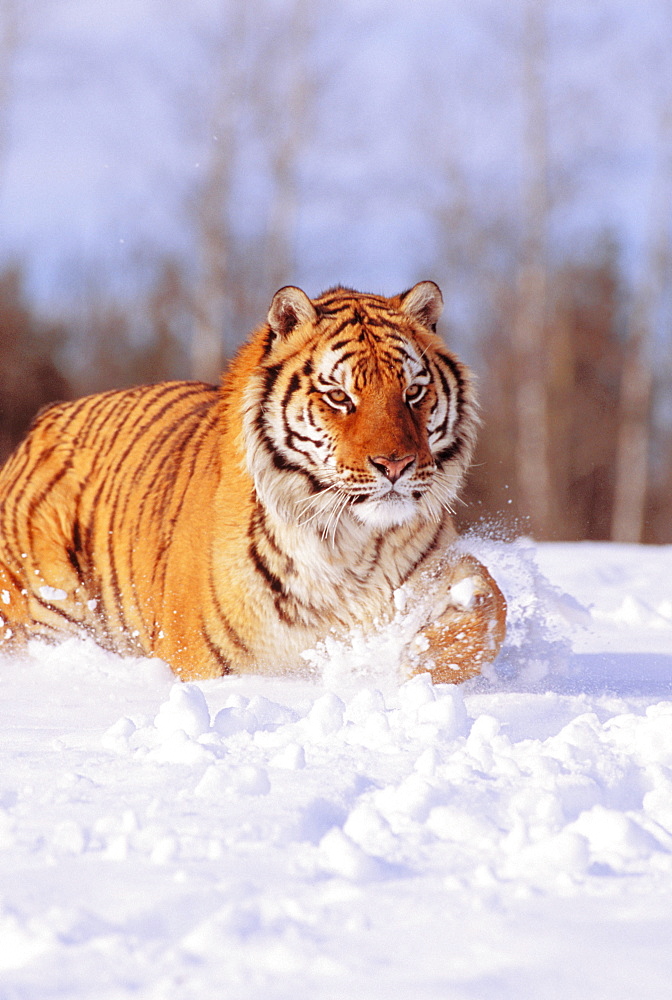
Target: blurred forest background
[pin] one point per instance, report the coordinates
(166, 165)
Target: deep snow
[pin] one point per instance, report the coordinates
(341, 836)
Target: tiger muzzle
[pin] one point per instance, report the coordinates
(392, 468)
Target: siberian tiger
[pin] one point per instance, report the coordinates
(227, 529)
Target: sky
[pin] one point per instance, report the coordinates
(409, 150)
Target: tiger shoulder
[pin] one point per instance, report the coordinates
(230, 528)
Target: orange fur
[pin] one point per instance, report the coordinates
(230, 529)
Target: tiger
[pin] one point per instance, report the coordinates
(231, 528)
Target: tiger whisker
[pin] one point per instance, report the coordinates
(318, 503)
(332, 512)
(315, 497)
(335, 516)
(329, 505)
(316, 513)
(443, 494)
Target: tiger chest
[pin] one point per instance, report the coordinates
(307, 582)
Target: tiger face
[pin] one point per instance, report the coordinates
(361, 408)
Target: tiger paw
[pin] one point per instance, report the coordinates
(468, 634)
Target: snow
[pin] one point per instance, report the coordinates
(342, 835)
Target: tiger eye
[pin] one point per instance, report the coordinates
(338, 397)
(415, 392)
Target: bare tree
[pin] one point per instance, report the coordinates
(9, 41)
(214, 255)
(261, 97)
(584, 361)
(213, 202)
(633, 445)
(30, 375)
(532, 453)
(294, 117)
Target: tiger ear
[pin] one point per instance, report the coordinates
(290, 308)
(423, 302)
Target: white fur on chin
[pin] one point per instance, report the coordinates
(383, 514)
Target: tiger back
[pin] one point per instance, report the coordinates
(230, 528)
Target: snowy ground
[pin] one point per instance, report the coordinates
(344, 837)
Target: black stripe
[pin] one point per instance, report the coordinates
(281, 597)
(178, 392)
(59, 611)
(223, 621)
(281, 462)
(187, 433)
(273, 582)
(215, 651)
(340, 344)
(42, 497)
(429, 549)
(350, 321)
(344, 357)
(269, 340)
(456, 371)
(270, 378)
(102, 409)
(259, 526)
(293, 437)
(451, 452)
(292, 386)
(73, 559)
(16, 582)
(284, 465)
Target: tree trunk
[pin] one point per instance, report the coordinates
(210, 308)
(9, 41)
(291, 124)
(633, 444)
(531, 406)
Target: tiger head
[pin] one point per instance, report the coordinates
(357, 409)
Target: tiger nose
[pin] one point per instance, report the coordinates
(392, 468)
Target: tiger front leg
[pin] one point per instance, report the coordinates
(467, 633)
